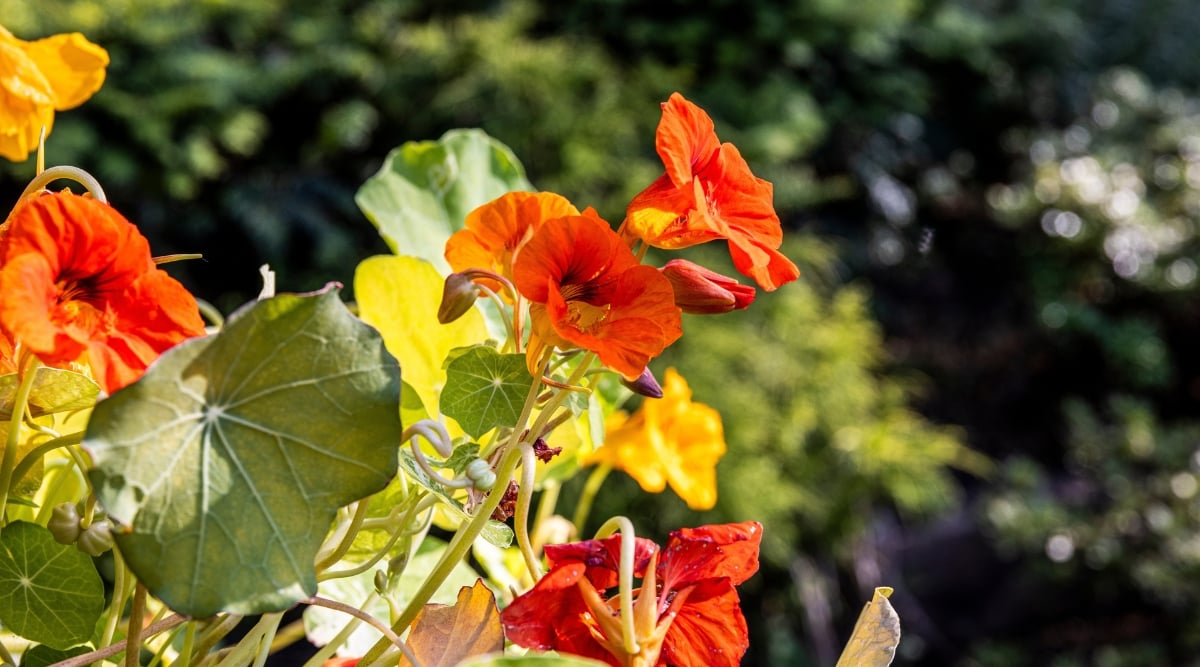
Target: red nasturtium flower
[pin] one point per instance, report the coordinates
(79, 286)
(709, 193)
(687, 611)
(588, 290)
(496, 231)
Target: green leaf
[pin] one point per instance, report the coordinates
(54, 390)
(230, 457)
(530, 660)
(44, 656)
(485, 389)
(424, 190)
(494, 532)
(399, 296)
(50, 593)
(876, 634)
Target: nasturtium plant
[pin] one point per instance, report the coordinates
(50, 593)
(485, 389)
(424, 190)
(234, 451)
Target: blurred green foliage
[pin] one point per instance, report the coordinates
(1000, 201)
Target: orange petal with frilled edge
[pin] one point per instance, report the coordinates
(495, 231)
(708, 628)
(686, 139)
(76, 276)
(727, 550)
(72, 65)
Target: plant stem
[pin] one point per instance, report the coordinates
(34, 455)
(133, 632)
(584, 507)
(109, 651)
(360, 513)
(628, 544)
(119, 595)
(9, 460)
(455, 551)
(521, 515)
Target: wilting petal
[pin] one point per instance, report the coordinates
(708, 629)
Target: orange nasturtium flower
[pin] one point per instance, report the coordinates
(588, 290)
(79, 286)
(709, 193)
(495, 231)
(687, 611)
(40, 77)
(669, 440)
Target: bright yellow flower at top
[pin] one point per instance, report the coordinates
(669, 440)
(40, 77)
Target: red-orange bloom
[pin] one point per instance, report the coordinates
(78, 285)
(695, 617)
(709, 193)
(496, 231)
(588, 290)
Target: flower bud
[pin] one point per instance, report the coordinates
(702, 292)
(64, 523)
(458, 296)
(95, 539)
(644, 385)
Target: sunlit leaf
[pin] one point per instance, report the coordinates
(54, 390)
(530, 660)
(322, 624)
(399, 296)
(424, 190)
(50, 593)
(443, 635)
(876, 634)
(232, 454)
(485, 389)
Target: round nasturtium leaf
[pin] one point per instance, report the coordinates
(485, 389)
(50, 593)
(228, 460)
(424, 190)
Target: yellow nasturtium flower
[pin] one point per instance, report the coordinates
(669, 440)
(40, 77)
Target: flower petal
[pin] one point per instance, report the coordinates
(708, 629)
(72, 65)
(686, 139)
(552, 616)
(718, 551)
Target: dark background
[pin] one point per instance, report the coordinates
(983, 390)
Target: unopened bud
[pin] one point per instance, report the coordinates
(702, 292)
(458, 296)
(644, 385)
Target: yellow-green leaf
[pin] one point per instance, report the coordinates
(442, 635)
(876, 634)
(399, 296)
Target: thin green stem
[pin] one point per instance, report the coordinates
(547, 503)
(360, 513)
(9, 461)
(6, 656)
(455, 551)
(109, 651)
(119, 596)
(424, 502)
(584, 507)
(628, 551)
(521, 514)
(215, 633)
(264, 645)
(387, 632)
(189, 643)
(327, 651)
(539, 425)
(34, 455)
